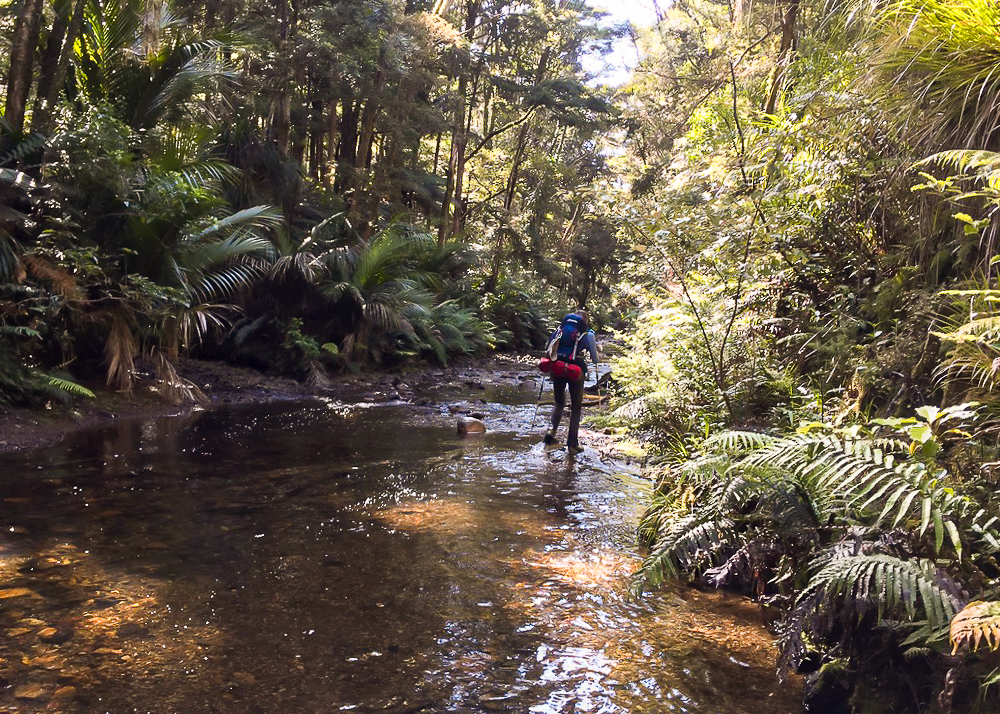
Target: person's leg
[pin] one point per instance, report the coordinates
(575, 410)
(559, 394)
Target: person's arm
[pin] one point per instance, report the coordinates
(592, 349)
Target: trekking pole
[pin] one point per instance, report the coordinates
(538, 403)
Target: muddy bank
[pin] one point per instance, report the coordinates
(223, 384)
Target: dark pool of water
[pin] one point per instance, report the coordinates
(323, 557)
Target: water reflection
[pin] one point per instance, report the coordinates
(329, 557)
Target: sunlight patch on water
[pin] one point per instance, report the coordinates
(594, 570)
(456, 517)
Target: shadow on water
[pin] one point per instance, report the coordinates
(322, 557)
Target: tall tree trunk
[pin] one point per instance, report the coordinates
(459, 138)
(522, 138)
(363, 160)
(437, 153)
(317, 135)
(515, 167)
(53, 77)
(281, 119)
(373, 106)
(22, 63)
(347, 149)
(333, 132)
(787, 42)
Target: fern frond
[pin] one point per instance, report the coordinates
(878, 487)
(686, 542)
(19, 330)
(735, 440)
(892, 585)
(978, 623)
(69, 387)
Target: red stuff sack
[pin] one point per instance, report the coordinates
(560, 369)
(566, 370)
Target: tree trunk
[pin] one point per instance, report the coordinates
(52, 83)
(459, 138)
(333, 130)
(522, 137)
(22, 63)
(317, 136)
(347, 149)
(281, 119)
(363, 160)
(787, 42)
(515, 167)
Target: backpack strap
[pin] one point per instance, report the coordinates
(576, 344)
(552, 349)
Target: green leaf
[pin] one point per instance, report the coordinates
(920, 433)
(929, 413)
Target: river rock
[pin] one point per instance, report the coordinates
(30, 691)
(54, 636)
(64, 693)
(468, 425)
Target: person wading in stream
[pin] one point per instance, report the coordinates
(569, 347)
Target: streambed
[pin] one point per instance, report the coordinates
(332, 555)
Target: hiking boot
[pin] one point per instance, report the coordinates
(550, 438)
(575, 449)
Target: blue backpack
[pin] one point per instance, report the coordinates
(564, 342)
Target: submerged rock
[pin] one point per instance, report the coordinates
(468, 425)
(30, 691)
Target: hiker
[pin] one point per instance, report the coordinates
(570, 344)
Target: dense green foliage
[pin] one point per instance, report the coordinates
(367, 181)
(789, 212)
(813, 223)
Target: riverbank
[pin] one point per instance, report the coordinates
(24, 429)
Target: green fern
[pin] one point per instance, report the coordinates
(891, 585)
(66, 386)
(736, 441)
(686, 543)
(844, 589)
(878, 486)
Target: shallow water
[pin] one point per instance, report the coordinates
(325, 557)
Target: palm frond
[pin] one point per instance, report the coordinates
(120, 347)
(17, 179)
(255, 217)
(23, 148)
(983, 164)
(226, 281)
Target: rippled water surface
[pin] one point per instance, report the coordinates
(325, 557)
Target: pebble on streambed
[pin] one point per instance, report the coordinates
(470, 425)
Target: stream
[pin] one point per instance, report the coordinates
(351, 556)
